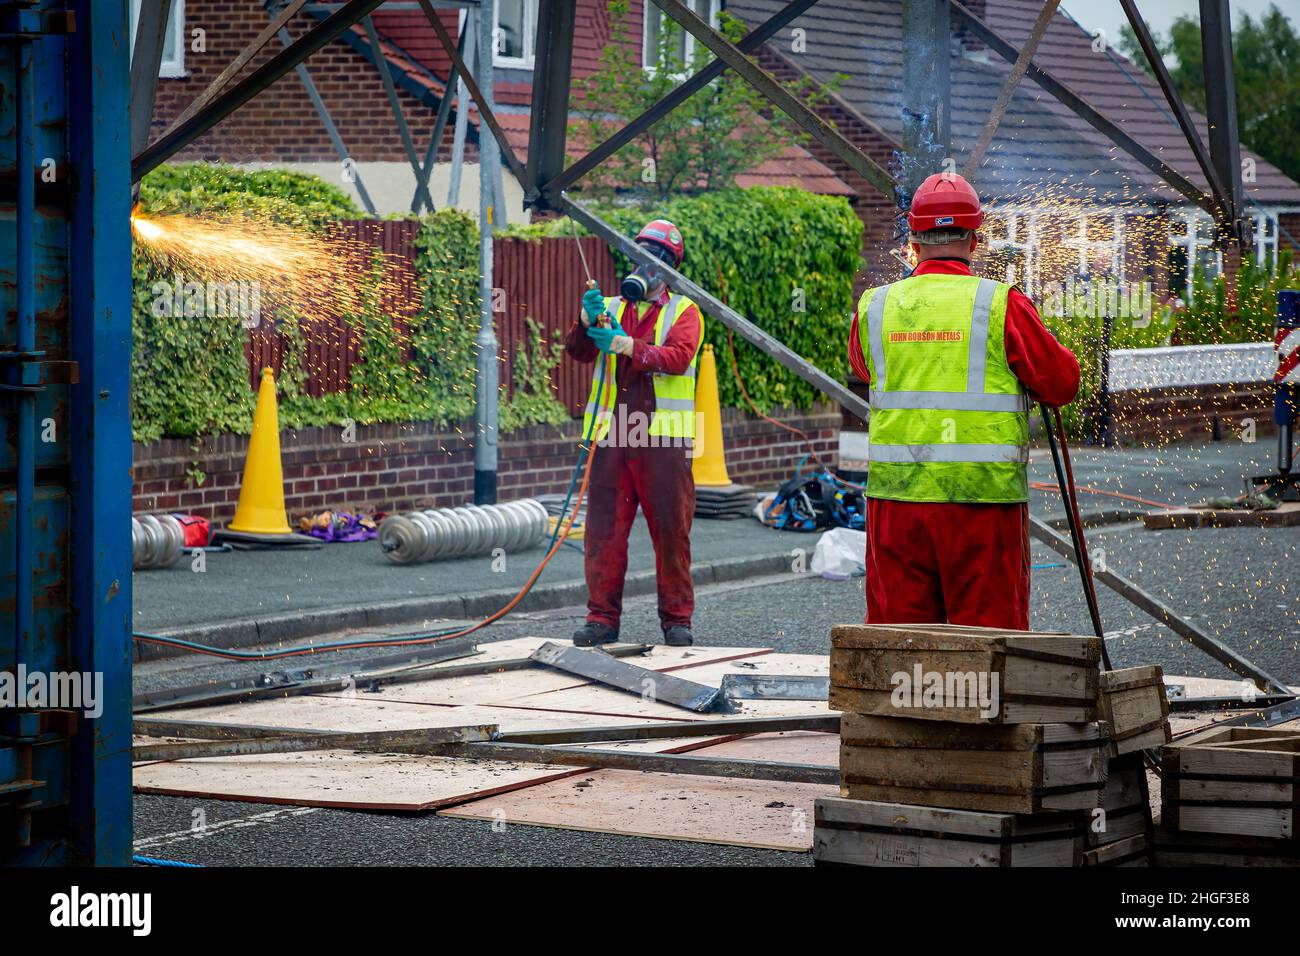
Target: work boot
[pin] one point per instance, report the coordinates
(593, 634)
(678, 636)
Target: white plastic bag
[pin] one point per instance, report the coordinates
(841, 554)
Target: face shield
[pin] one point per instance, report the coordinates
(646, 278)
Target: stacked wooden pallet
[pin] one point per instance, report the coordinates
(1230, 798)
(971, 747)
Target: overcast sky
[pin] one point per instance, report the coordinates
(1108, 15)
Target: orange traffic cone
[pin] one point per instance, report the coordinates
(710, 463)
(716, 496)
(260, 517)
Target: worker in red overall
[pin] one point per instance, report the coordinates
(642, 414)
(953, 362)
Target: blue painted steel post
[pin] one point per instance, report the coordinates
(99, 297)
(25, 463)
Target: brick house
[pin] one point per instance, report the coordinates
(1066, 202)
(281, 127)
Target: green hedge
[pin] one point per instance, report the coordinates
(766, 252)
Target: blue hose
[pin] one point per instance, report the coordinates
(154, 861)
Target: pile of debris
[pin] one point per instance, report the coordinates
(979, 747)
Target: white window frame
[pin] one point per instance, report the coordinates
(650, 53)
(529, 37)
(174, 67)
(1195, 224)
(1114, 245)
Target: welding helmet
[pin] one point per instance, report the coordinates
(944, 201)
(662, 240)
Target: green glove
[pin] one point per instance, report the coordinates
(593, 303)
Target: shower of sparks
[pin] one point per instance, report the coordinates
(307, 271)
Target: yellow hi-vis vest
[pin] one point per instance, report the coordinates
(674, 414)
(949, 419)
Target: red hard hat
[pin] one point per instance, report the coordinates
(943, 200)
(664, 234)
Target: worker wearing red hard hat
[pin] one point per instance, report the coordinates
(953, 362)
(643, 416)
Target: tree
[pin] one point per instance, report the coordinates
(720, 132)
(1265, 55)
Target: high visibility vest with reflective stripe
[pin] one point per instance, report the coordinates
(949, 419)
(674, 414)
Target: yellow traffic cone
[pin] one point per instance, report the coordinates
(261, 492)
(710, 464)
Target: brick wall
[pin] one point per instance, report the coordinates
(1162, 415)
(398, 467)
(280, 124)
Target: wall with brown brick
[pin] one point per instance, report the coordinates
(399, 467)
(1162, 415)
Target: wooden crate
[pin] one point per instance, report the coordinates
(1134, 705)
(1040, 678)
(868, 833)
(1125, 810)
(1130, 851)
(1186, 848)
(1238, 781)
(1017, 768)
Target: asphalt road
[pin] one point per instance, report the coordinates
(1239, 584)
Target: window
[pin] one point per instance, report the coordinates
(1266, 238)
(516, 27)
(173, 58)
(682, 43)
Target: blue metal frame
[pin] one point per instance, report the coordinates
(65, 499)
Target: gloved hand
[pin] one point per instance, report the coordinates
(593, 303)
(604, 337)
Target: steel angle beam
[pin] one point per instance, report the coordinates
(733, 320)
(235, 66)
(403, 130)
(548, 125)
(1164, 614)
(1084, 110)
(1221, 107)
(486, 114)
(423, 741)
(315, 680)
(775, 687)
(653, 685)
(1181, 114)
(225, 103)
(806, 118)
(1023, 59)
(543, 195)
(819, 723)
(1227, 703)
(649, 762)
(215, 730)
(146, 60)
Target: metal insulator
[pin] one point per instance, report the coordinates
(468, 531)
(156, 541)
